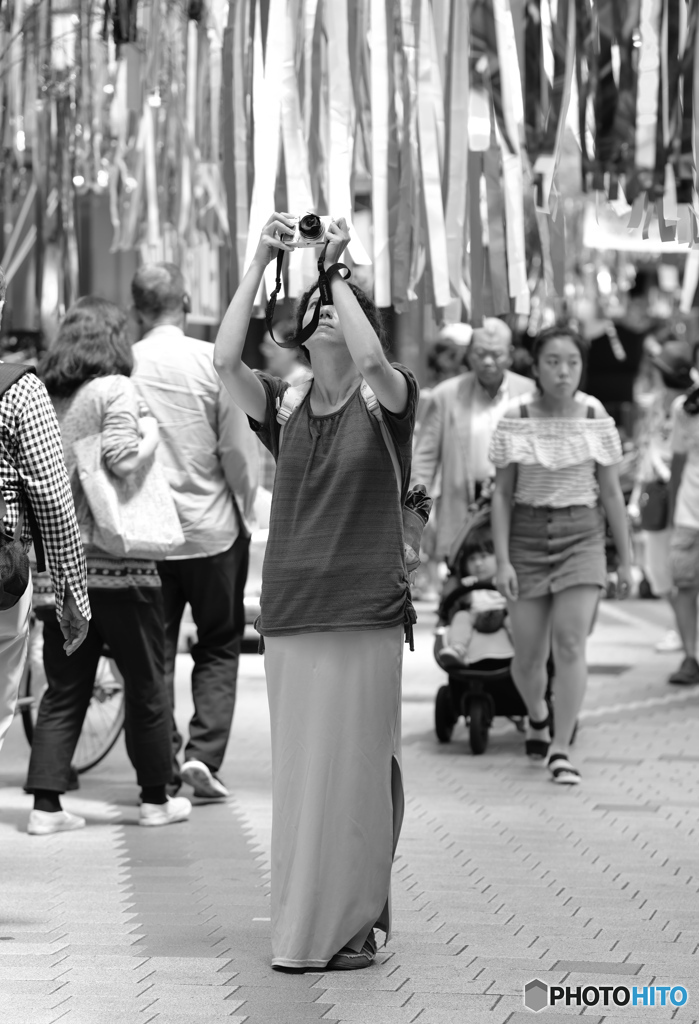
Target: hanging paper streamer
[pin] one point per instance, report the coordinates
(512, 174)
(342, 124)
(379, 155)
(455, 217)
(429, 160)
(194, 120)
(298, 181)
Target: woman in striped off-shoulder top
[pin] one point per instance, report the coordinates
(556, 456)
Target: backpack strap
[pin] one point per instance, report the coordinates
(294, 396)
(10, 373)
(291, 400)
(372, 404)
(289, 403)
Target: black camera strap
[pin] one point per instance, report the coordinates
(326, 298)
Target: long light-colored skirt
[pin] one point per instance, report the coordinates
(335, 701)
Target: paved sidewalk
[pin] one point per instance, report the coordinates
(500, 876)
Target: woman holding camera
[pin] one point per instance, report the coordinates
(335, 597)
(556, 456)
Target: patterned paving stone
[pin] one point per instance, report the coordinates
(500, 877)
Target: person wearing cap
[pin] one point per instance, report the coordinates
(446, 355)
(672, 364)
(451, 455)
(211, 463)
(683, 514)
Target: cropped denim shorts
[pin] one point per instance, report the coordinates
(553, 549)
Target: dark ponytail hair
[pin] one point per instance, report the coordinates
(563, 330)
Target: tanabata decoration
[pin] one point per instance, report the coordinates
(435, 127)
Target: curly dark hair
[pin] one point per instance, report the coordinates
(92, 341)
(370, 311)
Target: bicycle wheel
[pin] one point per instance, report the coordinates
(104, 719)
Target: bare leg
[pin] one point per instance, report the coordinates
(460, 629)
(684, 605)
(530, 622)
(573, 613)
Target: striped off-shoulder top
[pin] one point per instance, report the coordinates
(557, 458)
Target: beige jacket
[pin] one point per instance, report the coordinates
(441, 457)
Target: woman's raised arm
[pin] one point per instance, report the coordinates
(241, 383)
(387, 383)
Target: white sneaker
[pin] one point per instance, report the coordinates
(177, 808)
(670, 643)
(43, 823)
(202, 780)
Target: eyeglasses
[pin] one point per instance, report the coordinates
(481, 356)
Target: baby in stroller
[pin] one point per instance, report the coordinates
(472, 640)
(475, 613)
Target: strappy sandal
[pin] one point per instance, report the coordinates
(538, 749)
(562, 770)
(348, 960)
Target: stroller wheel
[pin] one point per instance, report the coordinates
(478, 726)
(444, 717)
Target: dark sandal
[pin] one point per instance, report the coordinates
(562, 770)
(538, 749)
(348, 960)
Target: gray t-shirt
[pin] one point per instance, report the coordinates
(334, 558)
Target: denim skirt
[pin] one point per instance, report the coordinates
(553, 549)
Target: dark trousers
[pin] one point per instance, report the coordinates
(214, 587)
(131, 623)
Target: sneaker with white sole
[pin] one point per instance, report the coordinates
(671, 642)
(203, 781)
(45, 823)
(176, 808)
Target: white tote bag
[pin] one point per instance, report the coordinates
(134, 516)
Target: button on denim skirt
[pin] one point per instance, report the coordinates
(552, 549)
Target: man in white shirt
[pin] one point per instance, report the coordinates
(451, 454)
(209, 456)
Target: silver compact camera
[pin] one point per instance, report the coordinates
(309, 230)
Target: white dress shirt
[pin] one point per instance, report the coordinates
(206, 448)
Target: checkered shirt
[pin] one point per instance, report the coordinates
(31, 464)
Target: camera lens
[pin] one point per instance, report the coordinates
(310, 225)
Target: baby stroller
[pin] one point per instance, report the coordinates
(477, 692)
